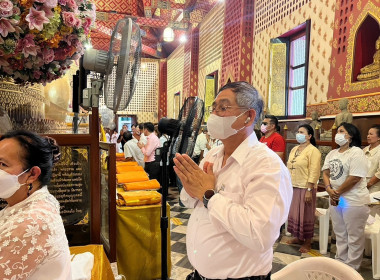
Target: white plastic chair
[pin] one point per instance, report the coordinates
(324, 224)
(372, 244)
(317, 268)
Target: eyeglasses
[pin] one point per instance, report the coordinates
(222, 108)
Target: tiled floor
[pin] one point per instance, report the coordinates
(283, 253)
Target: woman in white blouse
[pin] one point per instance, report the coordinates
(344, 173)
(33, 244)
(372, 152)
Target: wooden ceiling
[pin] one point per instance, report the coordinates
(153, 16)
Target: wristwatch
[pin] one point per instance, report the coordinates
(207, 196)
(309, 189)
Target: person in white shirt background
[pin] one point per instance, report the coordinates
(344, 175)
(372, 152)
(33, 243)
(200, 145)
(241, 193)
(131, 150)
(114, 136)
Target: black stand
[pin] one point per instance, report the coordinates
(164, 219)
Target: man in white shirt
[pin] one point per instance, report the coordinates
(152, 167)
(131, 150)
(200, 145)
(241, 193)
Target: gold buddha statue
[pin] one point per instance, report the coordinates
(372, 71)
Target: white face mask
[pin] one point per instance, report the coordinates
(264, 128)
(220, 127)
(340, 139)
(9, 183)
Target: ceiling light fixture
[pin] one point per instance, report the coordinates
(168, 34)
(183, 38)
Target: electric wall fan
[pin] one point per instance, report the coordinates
(118, 68)
(182, 134)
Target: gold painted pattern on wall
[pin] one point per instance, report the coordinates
(374, 11)
(210, 46)
(176, 64)
(211, 36)
(322, 14)
(276, 99)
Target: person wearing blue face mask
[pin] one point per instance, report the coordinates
(304, 165)
(33, 243)
(241, 193)
(344, 175)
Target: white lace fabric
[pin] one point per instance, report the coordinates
(32, 236)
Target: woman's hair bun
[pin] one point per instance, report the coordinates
(56, 154)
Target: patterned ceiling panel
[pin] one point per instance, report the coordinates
(153, 16)
(128, 7)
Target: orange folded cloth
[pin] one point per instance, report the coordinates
(120, 155)
(132, 176)
(128, 168)
(126, 163)
(138, 198)
(146, 185)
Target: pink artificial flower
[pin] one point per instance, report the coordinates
(51, 3)
(47, 55)
(48, 11)
(37, 74)
(5, 27)
(78, 23)
(87, 22)
(40, 1)
(6, 5)
(72, 4)
(27, 46)
(62, 2)
(69, 18)
(36, 19)
(16, 10)
(6, 13)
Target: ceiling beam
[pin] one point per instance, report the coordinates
(107, 32)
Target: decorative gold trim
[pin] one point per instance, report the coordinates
(374, 11)
(353, 97)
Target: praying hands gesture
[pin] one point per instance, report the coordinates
(195, 180)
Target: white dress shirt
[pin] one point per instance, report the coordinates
(373, 157)
(200, 144)
(33, 244)
(233, 238)
(132, 150)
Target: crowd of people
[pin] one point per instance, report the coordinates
(240, 189)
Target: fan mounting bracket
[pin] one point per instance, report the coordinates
(91, 95)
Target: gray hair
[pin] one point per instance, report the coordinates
(246, 96)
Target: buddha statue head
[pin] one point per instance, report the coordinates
(314, 116)
(343, 104)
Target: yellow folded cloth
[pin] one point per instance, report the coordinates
(146, 185)
(126, 163)
(128, 168)
(120, 155)
(138, 198)
(132, 176)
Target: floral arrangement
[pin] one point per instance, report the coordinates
(39, 39)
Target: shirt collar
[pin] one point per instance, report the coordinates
(373, 151)
(240, 152)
